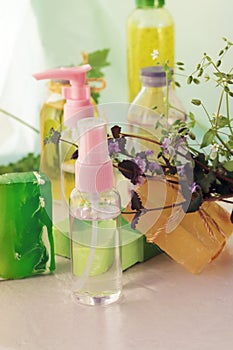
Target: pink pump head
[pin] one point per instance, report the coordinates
(77, 95)
(93, 169)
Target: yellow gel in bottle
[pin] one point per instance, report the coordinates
(51, 116)
(149, 27)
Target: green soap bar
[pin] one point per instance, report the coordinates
(26, 241)
(135, 248)
(61, 243)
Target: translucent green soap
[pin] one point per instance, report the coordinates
(26, 241)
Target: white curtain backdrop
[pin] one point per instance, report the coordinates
(41, 34)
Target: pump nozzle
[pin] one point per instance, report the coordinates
(77, 95)
(93, 172)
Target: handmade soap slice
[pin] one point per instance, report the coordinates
(26, 241)
(192, 239)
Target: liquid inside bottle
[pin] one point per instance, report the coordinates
(155, 108)
(51, 116)
(148, 29)
(95, 248)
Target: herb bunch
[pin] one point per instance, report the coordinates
(203, 171)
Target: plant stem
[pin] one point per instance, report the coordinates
(224, 144)
(228, 113)
(167, 97)
(177, 109)
(219, 108)
(206, 113)
(220, 176)
(69, 142)
(155, 209)
(19, 120)
(141, 137)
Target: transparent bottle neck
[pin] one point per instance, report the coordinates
(152, 82)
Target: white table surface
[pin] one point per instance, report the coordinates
(163, 307)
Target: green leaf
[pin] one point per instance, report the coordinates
(208, 58)
(218, 63)
(208, 138)
(195, 203)
(94, 73)
(196, 102)
(133, 151)
(196, 81)
(228, 165)
(230, 144)
(200, 72)
(95, 96)
(219, 74)
(191, 135)
(30, 162)
(206, 181)
(192, 122)
(189, 79)
(180, 63)
(191, 116)
(222, 121)
(98, 59)
(177, 84)
(215, 162)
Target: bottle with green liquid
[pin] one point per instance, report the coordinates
(149, 27)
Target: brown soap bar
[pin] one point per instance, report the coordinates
(192, 239)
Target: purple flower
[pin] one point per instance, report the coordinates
(153, 167)
(181, 170)
(113, 147)
(166, 145)
(53, 137)
(171, 146)
(141, 163)
(194, 187)
(149, 152)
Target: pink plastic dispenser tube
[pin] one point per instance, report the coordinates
(93, 171)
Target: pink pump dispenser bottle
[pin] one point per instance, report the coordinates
(95, 220)
(77, 95)
(77, 107)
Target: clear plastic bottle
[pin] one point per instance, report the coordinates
(149, 27)
(95, 220)
(150, 104)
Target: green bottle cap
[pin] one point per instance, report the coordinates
(149, 3)
(161, 3)
(145, 3)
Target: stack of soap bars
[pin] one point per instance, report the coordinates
(26, 242)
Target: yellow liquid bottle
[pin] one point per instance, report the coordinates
(51, 116)
(149, 27)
